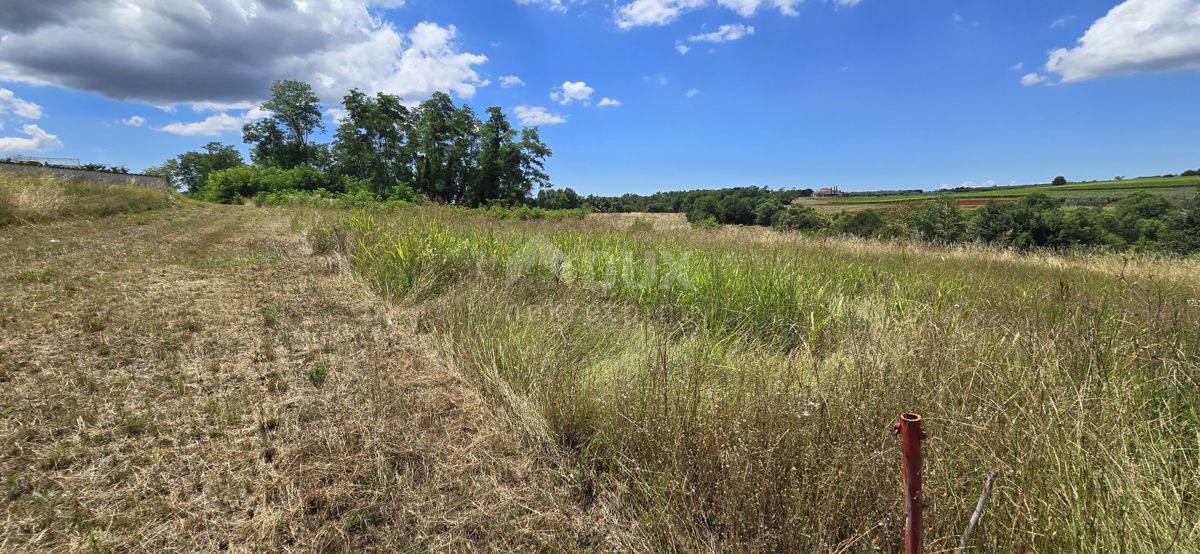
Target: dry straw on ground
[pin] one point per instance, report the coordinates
(194, 380)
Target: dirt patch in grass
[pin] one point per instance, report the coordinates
(193, 379)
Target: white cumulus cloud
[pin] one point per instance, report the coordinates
(642, 13)
(509, 81)
(555, 5)
(35, 140)
(747, 8)
(570, 92)
(724, 33)
(609, 103)
(639, 13)
(1030, 79)
(1137, 36)
(10, 104)
(535, 116)
(214, 125)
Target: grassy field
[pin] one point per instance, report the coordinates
(1172, 187)
(734, 389)
(33, 200)
(186, 376)
(192, 379)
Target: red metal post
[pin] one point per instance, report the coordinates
(909, 429)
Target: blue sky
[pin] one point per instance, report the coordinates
(862, 94)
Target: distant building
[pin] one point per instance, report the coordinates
(828, 191)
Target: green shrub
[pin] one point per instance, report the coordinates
(1184, 235)
(250, 181)
(867, 223)
(800, 218)
(940, 222)
(709, 222)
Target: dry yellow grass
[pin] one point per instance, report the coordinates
(659, 222)
(31, 200)
(193, 380)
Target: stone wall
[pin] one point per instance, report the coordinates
(101, 177)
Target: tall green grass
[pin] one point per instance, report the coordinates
(739, 393)
(25, 199)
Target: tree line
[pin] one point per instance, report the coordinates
(1142, 221)
(730, 206)
(382, 148)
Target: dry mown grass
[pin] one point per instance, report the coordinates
(188, 381)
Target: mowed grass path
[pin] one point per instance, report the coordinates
(191, 379)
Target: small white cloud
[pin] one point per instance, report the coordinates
(1030, 79)
(134, 121)
(509, 81)
(570, 92)
(35, 140)
(639, 13)
(682, 48)
(724, 33)
(553, 5)
(535, 116)
(10, 104)
(1061, 22)
(211, 126)
(609, 103)
(747, 8)
(201, 107)
(962, 23)
(214, 125)
(1017, 67)
(693, 93)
